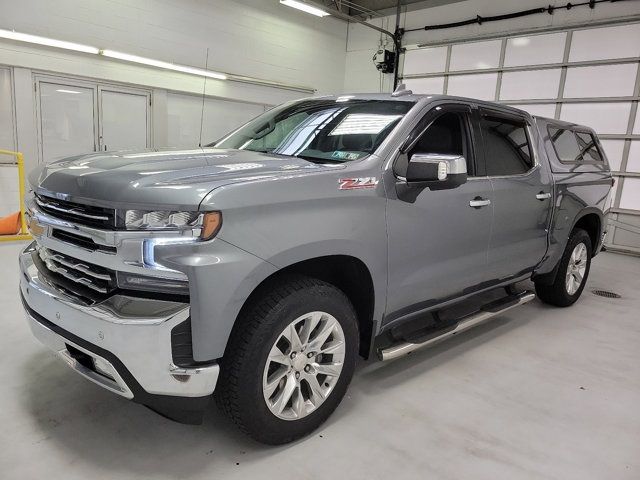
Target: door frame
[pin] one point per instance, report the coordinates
(97, 87)
(104, 87)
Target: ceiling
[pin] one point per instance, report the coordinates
(369, 8)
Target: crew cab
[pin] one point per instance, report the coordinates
(256, 270)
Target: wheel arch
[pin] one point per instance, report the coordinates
(346, 272)
(590, 220)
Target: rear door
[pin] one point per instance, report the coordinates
(522, 194)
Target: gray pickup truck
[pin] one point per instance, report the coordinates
(256, 270)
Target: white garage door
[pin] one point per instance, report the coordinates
(588, 76)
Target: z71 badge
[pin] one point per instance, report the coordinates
(357, 183)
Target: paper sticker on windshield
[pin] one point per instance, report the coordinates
(345, 155)
(357, 183)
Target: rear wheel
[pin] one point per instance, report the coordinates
(572, 274)
(289, 362)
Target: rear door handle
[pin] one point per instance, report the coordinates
(479, 202)
(543, 196)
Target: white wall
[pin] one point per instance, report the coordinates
(252, 38)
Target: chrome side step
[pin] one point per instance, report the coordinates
(464, 324)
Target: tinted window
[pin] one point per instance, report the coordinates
(320, 130)
(506, 144)
(588, 148)
(445, 135)
(573, 146)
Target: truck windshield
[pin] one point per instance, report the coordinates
(322, 131)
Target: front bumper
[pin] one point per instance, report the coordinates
(127, 337)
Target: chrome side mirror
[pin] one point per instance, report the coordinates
(437, 171)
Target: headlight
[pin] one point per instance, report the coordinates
(207, 223)
(146, 220)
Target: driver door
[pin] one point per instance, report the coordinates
(438, 241)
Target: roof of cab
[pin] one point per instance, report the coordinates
(414, 97)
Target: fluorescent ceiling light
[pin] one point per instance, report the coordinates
(305, 7)
(50, 42)
(62, 90)
(160, 64)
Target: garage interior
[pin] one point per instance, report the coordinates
(537, 393)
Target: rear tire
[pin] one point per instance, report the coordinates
(271, 382)
(572, 273)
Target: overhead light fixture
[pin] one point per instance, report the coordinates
(160, 64)
(49, 42)
(305, 7)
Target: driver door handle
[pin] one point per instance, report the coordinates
(479, 202)
(543, 196)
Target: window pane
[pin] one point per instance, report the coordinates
(535, 84)
(540, 109)
(565, 143)
(425, 85)
(601, 81)
(604, 118)
(588, 150)
(67, 120)
(481, 86)
(535, 50)
(506, 147)
(477, 55)
(603, 43)
(443, 136)
(636, 125)
(613, 149)
(425, 60)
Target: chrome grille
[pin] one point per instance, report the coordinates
(76, 212)
(99, 279)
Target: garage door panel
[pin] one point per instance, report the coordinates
(613, 149)
(476, 55)
(535, 49)
(482, 86)
(621, 41)
(601, 81)
(540, 109)
(604, 118)
(630, 197)
(530, 85)
(425, 85)
(425, 60)
(633, 163)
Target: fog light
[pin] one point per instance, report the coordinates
(104, 368)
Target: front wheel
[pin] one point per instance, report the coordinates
(572, 274)
(289, 361)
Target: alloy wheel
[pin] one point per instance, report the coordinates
(304, 365)
(576, 268)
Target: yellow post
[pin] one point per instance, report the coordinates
(24, 233)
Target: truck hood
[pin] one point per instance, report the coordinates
(175, 179)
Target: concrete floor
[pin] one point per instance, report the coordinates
(538, 393)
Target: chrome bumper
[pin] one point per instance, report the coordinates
(129, 337)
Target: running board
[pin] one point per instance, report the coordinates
(464, 324)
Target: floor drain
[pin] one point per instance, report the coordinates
(606, 294)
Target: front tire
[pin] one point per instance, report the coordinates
(572, 274)
(289, 360)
